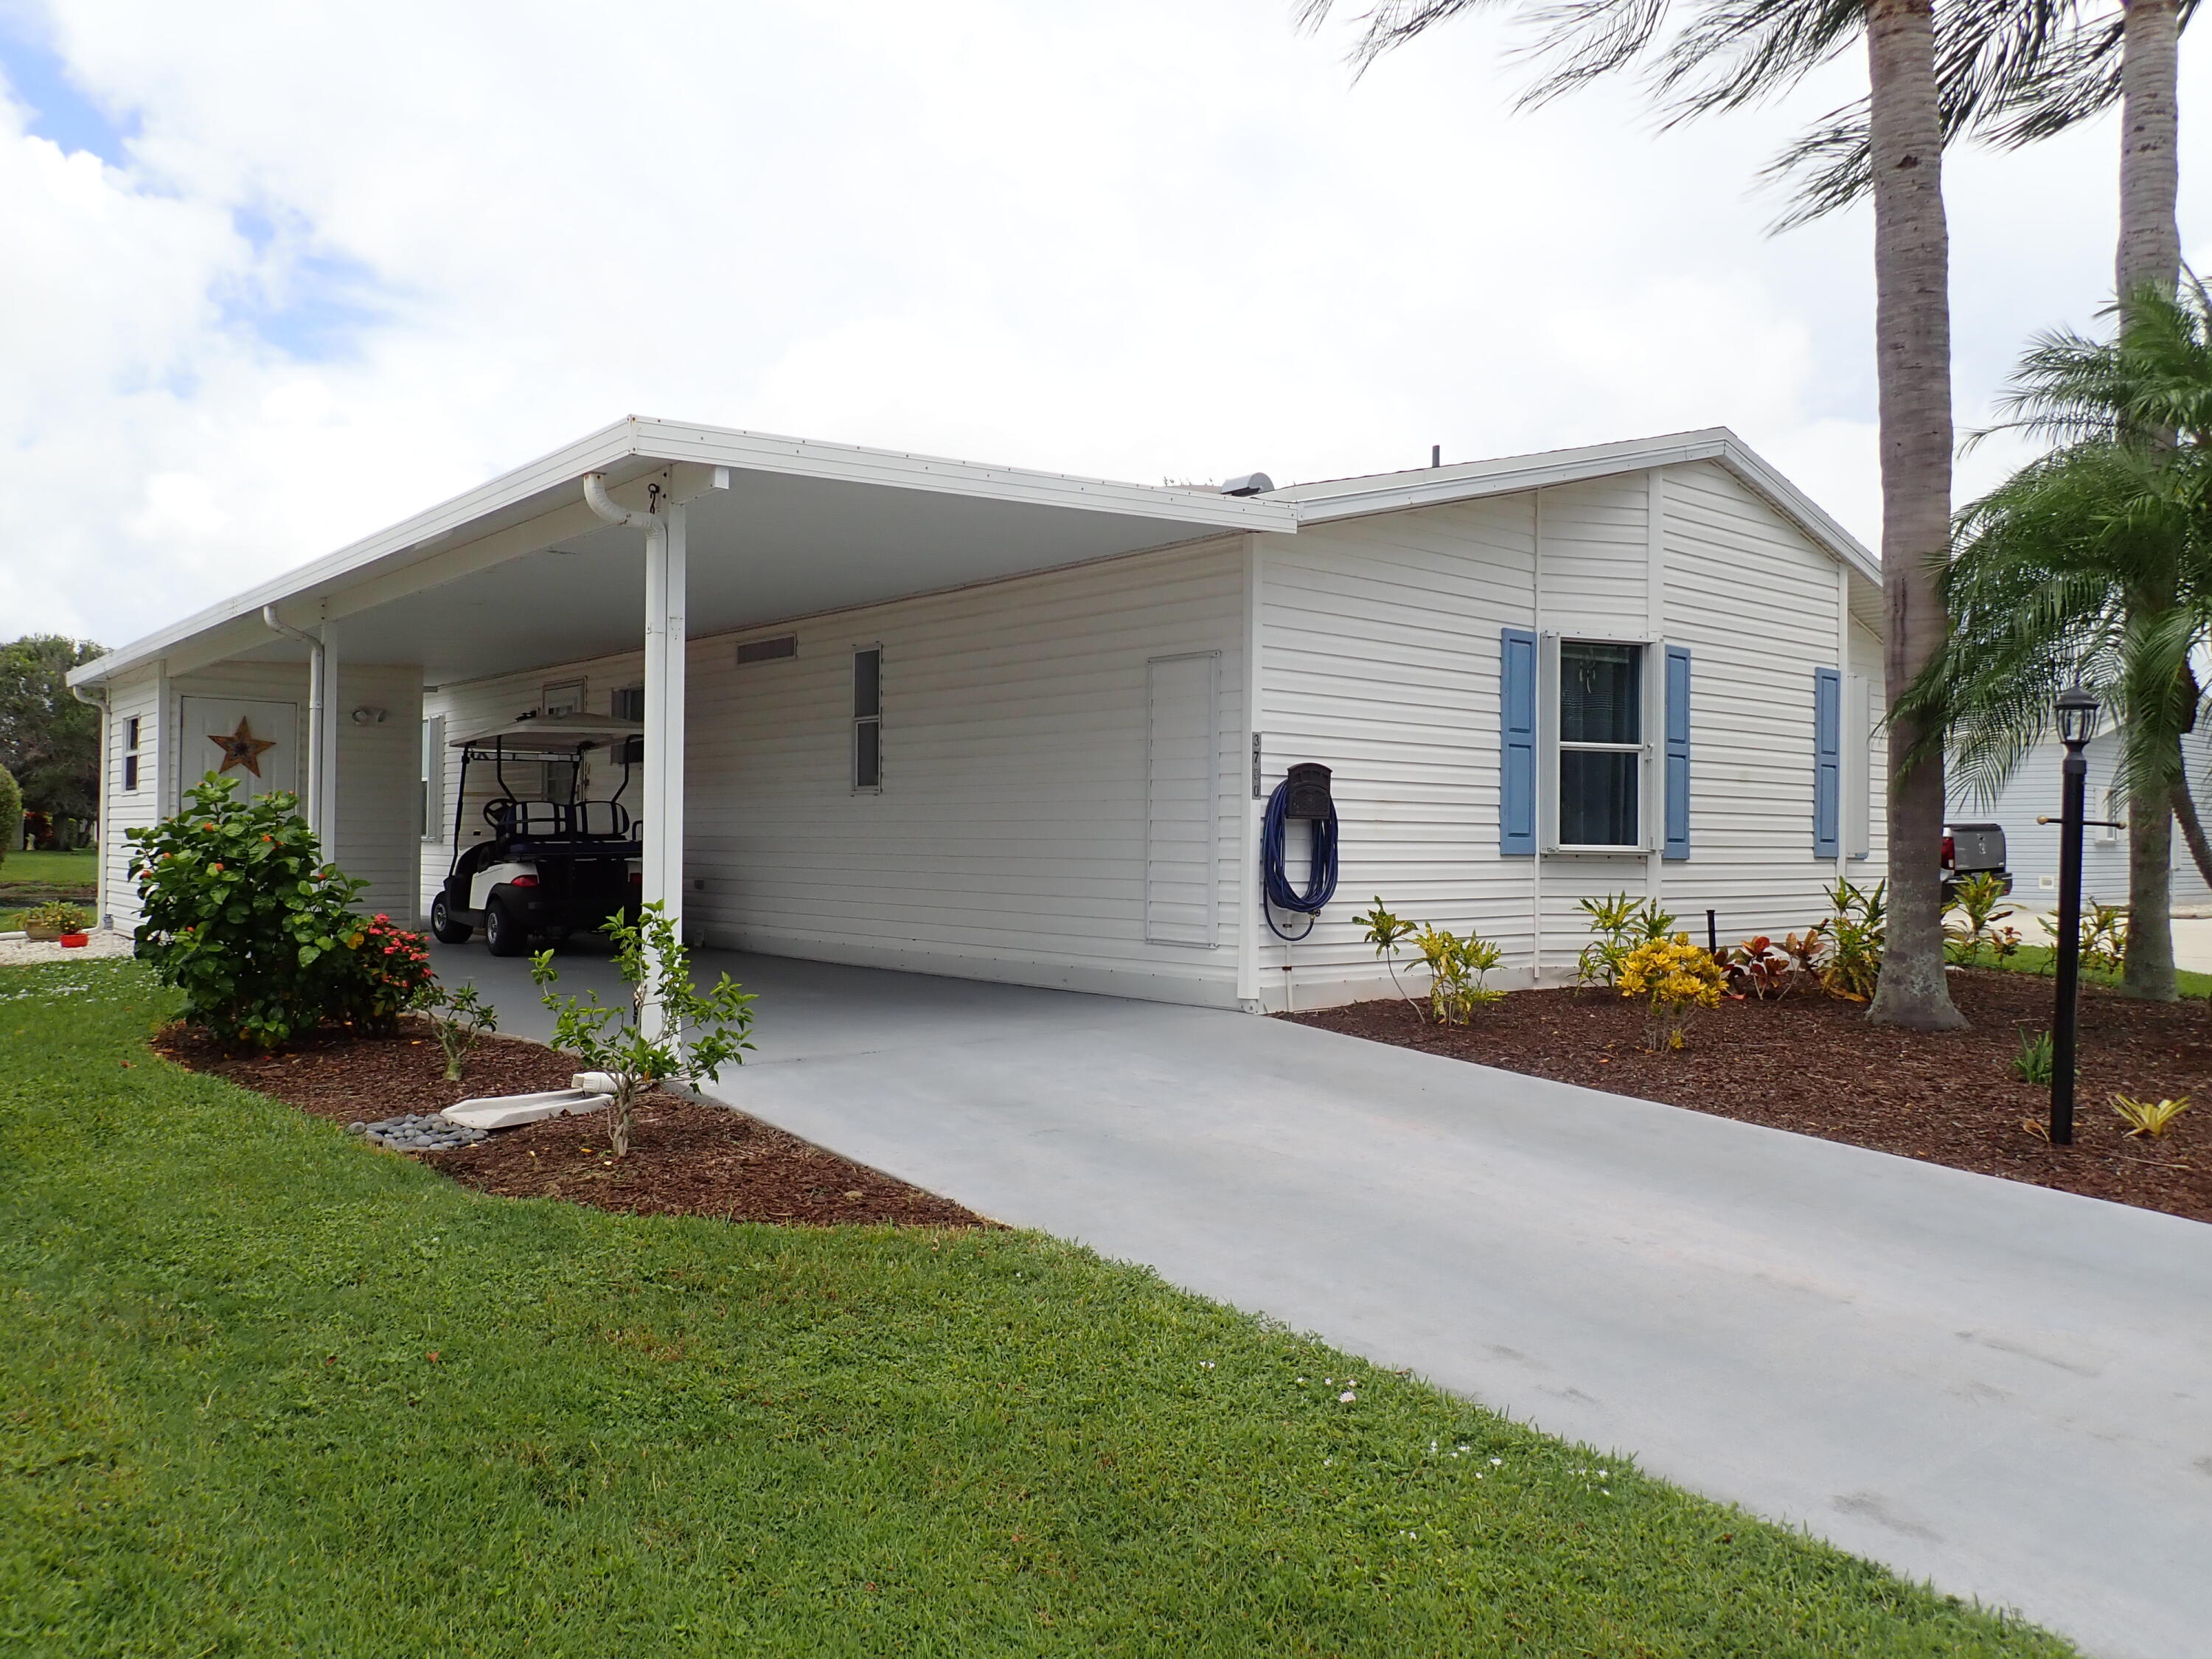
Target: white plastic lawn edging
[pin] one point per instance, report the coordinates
(506, 1111)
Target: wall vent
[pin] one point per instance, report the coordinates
(774, 650)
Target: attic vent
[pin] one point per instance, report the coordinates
(784, 645)
(1250, 483)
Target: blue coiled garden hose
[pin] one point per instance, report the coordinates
(1274, 880)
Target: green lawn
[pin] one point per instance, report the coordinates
(265, 1390)
(2036, 959)
(48, 870)
(26, 878)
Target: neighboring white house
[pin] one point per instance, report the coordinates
(1651, 667)
(2031, 848)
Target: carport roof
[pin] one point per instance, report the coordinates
(518, 571)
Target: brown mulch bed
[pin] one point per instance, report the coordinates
(685, 1158)
(1812, 1064)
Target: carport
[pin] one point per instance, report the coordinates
(649, 532)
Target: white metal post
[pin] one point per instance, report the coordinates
(670, 709)
(326, 766)
(662, 882)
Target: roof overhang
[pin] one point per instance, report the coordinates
(520, 571)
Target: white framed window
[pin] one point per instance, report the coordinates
(629, 703)
(564, 697)
(1598, 701)
(868, 720)
(131, 752)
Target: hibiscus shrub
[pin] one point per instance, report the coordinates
(391, 973)
(243, 916)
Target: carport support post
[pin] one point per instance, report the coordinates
(664, 585)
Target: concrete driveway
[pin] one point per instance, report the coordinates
(2005, 1390)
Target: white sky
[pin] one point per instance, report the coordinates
(341, 262)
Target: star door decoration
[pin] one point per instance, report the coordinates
(241, 747)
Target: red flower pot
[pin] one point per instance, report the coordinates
(73, 941)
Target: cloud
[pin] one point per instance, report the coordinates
(283, 273)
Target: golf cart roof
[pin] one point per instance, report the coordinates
(553, 731)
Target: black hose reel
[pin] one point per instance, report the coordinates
(1302, 793)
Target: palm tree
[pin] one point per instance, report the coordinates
(1733, 53)
(2094, 563)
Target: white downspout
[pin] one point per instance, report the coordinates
(662, 879)
(310, 799)
(97, 697)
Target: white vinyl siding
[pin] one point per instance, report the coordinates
(1756, 603)
(1182, 795)
(1380, 641)
(129, 809)
(1010, 841)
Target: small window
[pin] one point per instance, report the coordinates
(784, 646)
(565, 698)
(131, 752)
(1600, 725)
(433, 782)
(2116, 817)
(629, 703)
(868, 720)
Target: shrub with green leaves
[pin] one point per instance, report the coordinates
(1619, 925)
(1459, 967)
(241, 913)
(1858, 931)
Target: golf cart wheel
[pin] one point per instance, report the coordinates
(443, 927)
(503, 935)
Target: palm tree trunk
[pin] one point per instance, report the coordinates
(2150, 148)
(2192, 829)
(2147, 971)
(2150, 256)
(1912, 365)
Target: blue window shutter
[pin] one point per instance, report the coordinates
(1827, 760)
(1677, 752)
(1516, 720)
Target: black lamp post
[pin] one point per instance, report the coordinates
(2077, 724)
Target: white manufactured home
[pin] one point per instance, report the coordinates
(1017, 725)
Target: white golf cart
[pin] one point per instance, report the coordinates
(544, 867)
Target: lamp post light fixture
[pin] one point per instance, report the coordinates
(2077, 724)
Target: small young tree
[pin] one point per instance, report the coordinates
(459, 1019)
(672, 1031)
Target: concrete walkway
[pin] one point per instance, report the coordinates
(2003, 1389)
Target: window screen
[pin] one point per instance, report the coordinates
(868, 719)
(1601, 743)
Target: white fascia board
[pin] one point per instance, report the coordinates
(1391, 492)
(803, 458)
(445, 527)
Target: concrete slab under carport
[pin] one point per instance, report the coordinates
(2003, 1389)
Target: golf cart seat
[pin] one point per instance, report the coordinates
(545, 829)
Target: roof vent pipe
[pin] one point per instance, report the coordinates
(313, 802)
(1251, 483)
